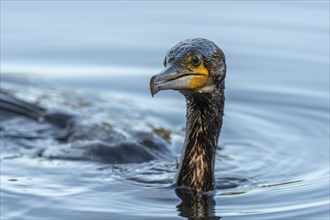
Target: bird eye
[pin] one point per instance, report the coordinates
(164, 62)
(196, 60)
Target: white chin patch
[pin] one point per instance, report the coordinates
(206, 89)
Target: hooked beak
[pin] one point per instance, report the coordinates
(172, 78)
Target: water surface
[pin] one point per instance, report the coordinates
(94, 60)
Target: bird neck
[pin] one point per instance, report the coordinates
(204, 121)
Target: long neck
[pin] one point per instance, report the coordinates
(204, 121)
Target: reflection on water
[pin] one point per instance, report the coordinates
(92, 62)
(195, 205)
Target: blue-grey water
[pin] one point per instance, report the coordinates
(94, 60)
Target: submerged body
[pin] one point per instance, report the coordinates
(59, 134)
(196, 68)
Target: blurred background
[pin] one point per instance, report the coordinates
(116, 38)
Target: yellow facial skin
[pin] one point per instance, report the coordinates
(201, 72)
(200, 79)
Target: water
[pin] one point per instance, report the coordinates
(95, 59)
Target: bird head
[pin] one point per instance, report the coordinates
(192, 66)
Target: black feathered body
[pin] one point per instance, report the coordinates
(204, 121)
(197, 69)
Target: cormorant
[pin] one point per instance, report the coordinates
(197, 69)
